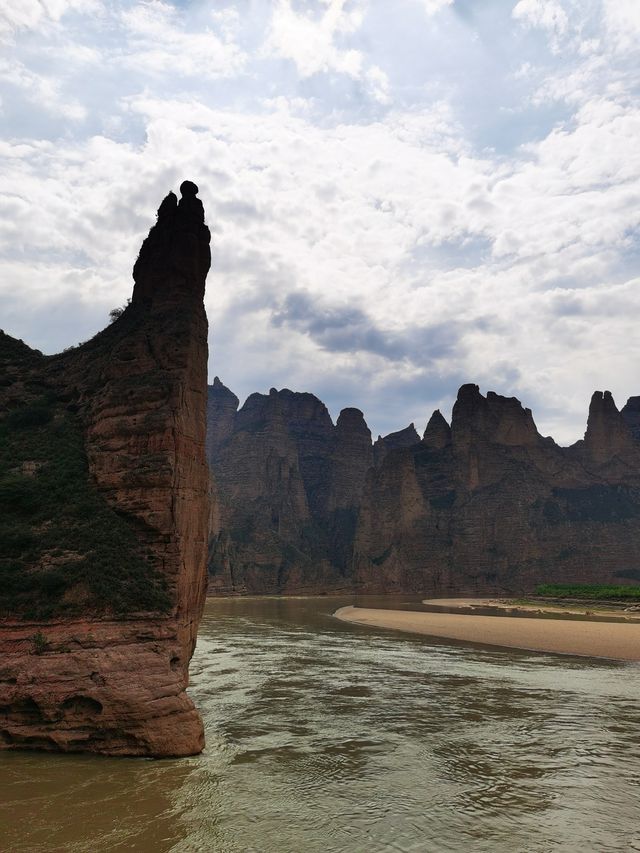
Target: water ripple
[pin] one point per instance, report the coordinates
(328, 738)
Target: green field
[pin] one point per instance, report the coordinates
(595, 592)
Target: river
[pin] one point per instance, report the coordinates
(325, 737)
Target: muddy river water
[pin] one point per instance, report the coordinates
(325, 737)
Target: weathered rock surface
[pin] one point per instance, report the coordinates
(437, 435)
(631, 413)
(289, 483)
(485, 504)
(497, 506)
(222, 405)
(406, 437)
(87, 678)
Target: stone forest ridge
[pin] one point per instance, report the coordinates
(104, 488)
(484, 504)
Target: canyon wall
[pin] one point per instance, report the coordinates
(484, 504)
(289, 484)
(491, 504)
(104, 477)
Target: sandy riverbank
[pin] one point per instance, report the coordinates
(515, 606)
(616, 640)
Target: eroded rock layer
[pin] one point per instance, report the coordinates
(105, 593)
(494, 505)
(484, 504)
(290, 484)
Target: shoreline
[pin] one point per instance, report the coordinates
(611, 640)
(596, 608)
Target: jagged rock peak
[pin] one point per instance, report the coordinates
(438, 432)
(469, 393)
(175, 257)
(222, 405)
(352, 419)
(501, 420)
(406, 437)
(603, 415)
(297, 409)
(631, 413)
(608, 433)
(219, 391)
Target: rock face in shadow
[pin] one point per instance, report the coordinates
(100, 624)
(222, 405)
(631, 413)
(406, 437)
(290, 484)
(491, 504)
(484, 504)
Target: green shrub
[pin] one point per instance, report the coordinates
(603, 592)
(40, 643)
(57, 532)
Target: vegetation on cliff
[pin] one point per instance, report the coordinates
(63, 549)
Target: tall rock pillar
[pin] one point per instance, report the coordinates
(100, 680)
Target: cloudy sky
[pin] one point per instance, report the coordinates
(404, 195)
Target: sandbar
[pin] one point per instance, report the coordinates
(630, 612)
(613, 640)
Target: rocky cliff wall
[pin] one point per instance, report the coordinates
(290, 484)
(107, 671)
(494, 505)
(485, 503)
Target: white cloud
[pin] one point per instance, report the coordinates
(366, 246)
(548, 14)
(379, 84)
(622, 24)
(315, 43)
(41, 91)
(158, 44)
(28, 14)
(432, 7)
(310, 42)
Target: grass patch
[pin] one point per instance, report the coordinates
(597, 592)
(63, 549)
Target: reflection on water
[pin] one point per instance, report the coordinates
(327, 737)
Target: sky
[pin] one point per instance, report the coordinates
(403, 196)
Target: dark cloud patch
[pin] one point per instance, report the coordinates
(394, 403)
(568, 305)
(346, 328)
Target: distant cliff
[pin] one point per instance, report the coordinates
(290, 484)
(104, 491)
(485, 503)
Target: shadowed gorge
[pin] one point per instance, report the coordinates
(105, 490)
(484, 504)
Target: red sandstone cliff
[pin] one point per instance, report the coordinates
(92, 677)
(484, 504)
(491, 504)
(289, 483)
